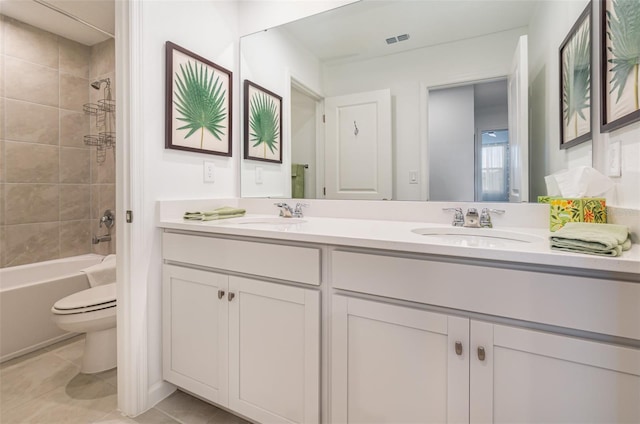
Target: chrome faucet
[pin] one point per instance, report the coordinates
(108, 219)
(485, 217)
(458, 218)
(298, 210)
(471, 219)
(285, 210)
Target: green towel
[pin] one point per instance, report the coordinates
(219, 213)
(297, 181)
(593, 239)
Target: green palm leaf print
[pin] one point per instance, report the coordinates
(264, 123)
(623, 30)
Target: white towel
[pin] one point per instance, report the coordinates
(102, 273)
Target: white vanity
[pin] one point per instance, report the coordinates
(336, 320)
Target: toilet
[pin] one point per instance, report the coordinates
(91, 311)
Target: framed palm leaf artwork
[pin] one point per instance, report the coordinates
(198, 103)
(619, 63)
(262, 124)
(575, 83)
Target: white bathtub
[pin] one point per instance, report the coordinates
(27, 293)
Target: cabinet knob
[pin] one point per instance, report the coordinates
(220, 294)
(458, 348)
(481, 353)
(231, 296)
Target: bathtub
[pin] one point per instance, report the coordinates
(27, 293)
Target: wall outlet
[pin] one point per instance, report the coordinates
(614, 159)
(413, 177)
(258, 175)
(208, 172)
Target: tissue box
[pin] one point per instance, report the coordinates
(585, 209)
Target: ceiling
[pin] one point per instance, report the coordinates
(356, 31)
(99, 13)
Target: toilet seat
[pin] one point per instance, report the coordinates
(89, 300)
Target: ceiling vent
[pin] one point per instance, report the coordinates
(401, 37)
(392, 40)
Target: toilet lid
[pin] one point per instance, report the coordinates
(104, 295)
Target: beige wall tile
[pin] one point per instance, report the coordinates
(31, 83)
(74, 92)
(2, 102)
(30, 43)
(75, 202)
(31, 163)
(75, 238)
(2, 203)
(74, 58)
(3, 248)
(95, 201)
(107, 197)
(103, 58)
(30, 243)
(31, 122)
(74, 165)
(29, 203)
(105, 172)
(73, 127)
(2, 161)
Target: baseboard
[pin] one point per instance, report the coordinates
(158, 392)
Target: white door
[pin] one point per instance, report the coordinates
(393, 364)
(358, 155)
(529, 376)
(195, 325)
(518, 99)
(274, 352)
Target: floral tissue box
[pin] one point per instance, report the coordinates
(586, 209)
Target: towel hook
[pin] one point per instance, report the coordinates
(356, 130)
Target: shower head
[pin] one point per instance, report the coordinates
(96, 84)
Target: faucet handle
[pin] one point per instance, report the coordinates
(298, 210)
(485, 217)
(458, 217)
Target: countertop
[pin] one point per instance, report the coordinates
(398, 236)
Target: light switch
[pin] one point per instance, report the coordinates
(208, 172)
(614, 159)
(413, 177)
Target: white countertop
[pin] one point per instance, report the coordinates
(398, 236)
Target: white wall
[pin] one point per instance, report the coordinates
(407, 74)
(303, 138)
(547, 30)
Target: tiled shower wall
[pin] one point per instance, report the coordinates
(52, 191)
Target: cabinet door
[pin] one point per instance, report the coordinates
(392, 364)
(274, 351)
(533, 377)
(195, 331)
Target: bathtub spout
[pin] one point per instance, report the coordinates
(98, 239)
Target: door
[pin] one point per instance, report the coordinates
(527, 376)
(393, 364)
(518, 99)
(358, 156)
(274, 351)
(195, 324)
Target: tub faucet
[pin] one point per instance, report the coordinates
(107, 219)
(98, 239)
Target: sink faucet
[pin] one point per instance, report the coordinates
(485, 217)
(471, 219)
(285, 210)
(458, 218)
(298, 210)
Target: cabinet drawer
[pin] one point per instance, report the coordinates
(589, 304)
(292, 263)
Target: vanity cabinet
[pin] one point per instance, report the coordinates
(250, 345)
(396, 364)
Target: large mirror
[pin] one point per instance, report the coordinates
(368, 101)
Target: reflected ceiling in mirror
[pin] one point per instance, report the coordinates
(345, 51)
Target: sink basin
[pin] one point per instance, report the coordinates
(479, 237)
(266, 221)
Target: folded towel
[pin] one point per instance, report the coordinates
(219, 213)
(594, 239)
(102, 273)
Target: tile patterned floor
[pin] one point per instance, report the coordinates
(46, 387)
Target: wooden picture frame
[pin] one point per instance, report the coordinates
(575, 82)
(619, 77)
(198, 103)
(262, 124)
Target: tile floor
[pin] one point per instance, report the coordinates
(47, 387)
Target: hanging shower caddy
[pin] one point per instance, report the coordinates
(104, 114)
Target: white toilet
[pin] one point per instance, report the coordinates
(91, 311)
